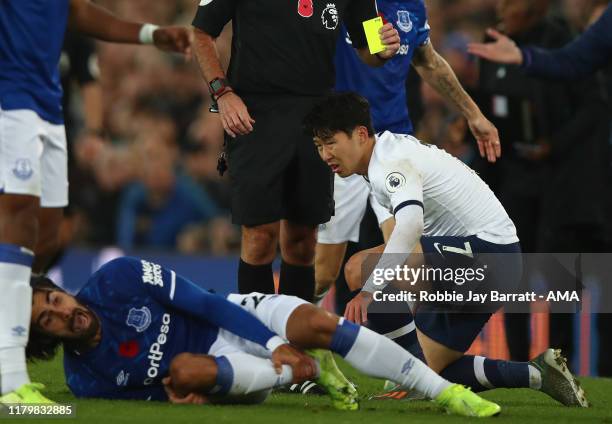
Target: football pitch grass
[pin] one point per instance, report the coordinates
(518, 406)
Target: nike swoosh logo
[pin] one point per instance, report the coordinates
(437, 247)
(466, 251)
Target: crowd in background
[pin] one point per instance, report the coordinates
(144, 164)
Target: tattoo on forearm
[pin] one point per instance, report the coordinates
(447, 84)
(438, 73)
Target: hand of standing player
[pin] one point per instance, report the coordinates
(303, 366)
(390, 39)
(357, 309)
(502, 50)
(487, 137)
(174, 39)
(234, 115)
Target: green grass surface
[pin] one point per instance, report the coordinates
(518, 406)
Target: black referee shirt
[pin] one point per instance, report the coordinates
(284, 46)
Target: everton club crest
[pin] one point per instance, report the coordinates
(403, 20)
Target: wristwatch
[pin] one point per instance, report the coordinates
(218, 87)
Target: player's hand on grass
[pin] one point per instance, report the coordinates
(303, 366)
(357, 309)
(502, 50)
(234, 115)
(190, 398)
(390, 39)
(487, 137)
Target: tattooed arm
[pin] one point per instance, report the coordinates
(437, 72)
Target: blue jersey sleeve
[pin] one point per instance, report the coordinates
(174, 291)
(423, 28)
(583, 56)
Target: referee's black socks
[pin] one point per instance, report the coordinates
(255, 278)
(297, 280)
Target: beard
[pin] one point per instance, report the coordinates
(84, 339)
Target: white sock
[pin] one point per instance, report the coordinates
(377, 356)
(15, 310)
(535, 378)
(253, 374)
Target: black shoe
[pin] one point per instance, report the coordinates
(306, 388)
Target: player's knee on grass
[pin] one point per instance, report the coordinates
(192, 373)
(259, 243)
(19, 219)
(438, 356)
(311, 327)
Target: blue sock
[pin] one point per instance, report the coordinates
(344, 337)
(480, 373)
(225, 376)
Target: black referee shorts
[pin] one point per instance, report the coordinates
(275, 171)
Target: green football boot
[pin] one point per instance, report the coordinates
(26, 394)
(341, 391)
(459, 400)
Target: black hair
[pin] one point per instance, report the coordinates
(339, 112)
(42, 346)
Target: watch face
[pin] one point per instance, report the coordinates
(217, 85)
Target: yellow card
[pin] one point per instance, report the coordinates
(371, 28)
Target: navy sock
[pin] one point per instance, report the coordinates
(255, 278)
(394, 320)
(398, 327)
(480, 373)
(296, 280)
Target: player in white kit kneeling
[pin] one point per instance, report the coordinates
(446, 219)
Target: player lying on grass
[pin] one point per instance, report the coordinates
(140, 331)
(449, 218)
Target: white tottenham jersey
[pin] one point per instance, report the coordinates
(404, 171)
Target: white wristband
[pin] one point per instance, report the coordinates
(145, 36)
(275, 342)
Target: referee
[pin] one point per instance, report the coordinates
(282, 64)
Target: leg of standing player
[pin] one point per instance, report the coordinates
(350, 197)
(328, 262)
(257, 251)
(33, 172)
(297, 247)
(18, 232)
(279, 196)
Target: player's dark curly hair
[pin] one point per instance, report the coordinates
(339, 112)
(42, 346)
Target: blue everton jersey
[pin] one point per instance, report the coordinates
(31, 38)
(148, 315)
(385, 87)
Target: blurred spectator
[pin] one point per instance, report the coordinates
(540, 123)
(163, 203)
